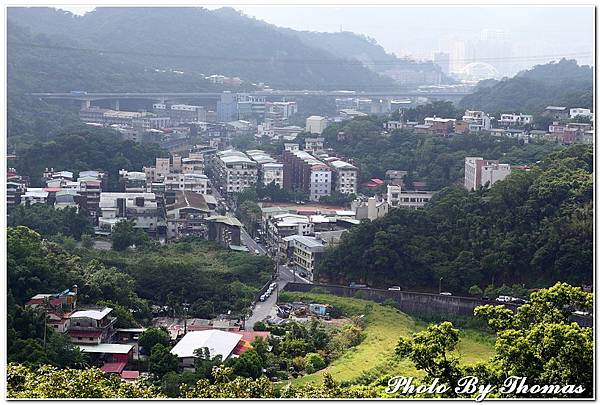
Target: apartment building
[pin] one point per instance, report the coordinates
(314, 145)
(316, 124)
(370, 209)
(185, 214)
(180, 113)
(16, 186)
(413, 199)
(477, 121)
(272, 173)
(142, 208)
(194, 163)
(480, 172)
(515, 120)
(197, 183)
(345, 177)
(235, 171)
(281, 226)
(304, 172)
(304, 253)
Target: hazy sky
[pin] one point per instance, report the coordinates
(536, 34)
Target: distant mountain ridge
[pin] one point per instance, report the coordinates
(196, 40)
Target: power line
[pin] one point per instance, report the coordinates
(531, 58)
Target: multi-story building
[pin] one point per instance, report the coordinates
(480, 172)
(132, 182)
(396, 197)
(302, 171)
(92, 326)
(272, 173)
(313, 145)
(16, 186)
(477, 120)
(345, 177)
(285, 109)
(185, 215)
(442, 59)
(282, 225)
(235, 171)
(142, 208)
(291, 146)
(585, 112)
(180, 113)
(515, 120)
(224, 230)
(194, 163)
(316, 124)
(197, 183)
(58, 307)
(227, 107)
(304, 253)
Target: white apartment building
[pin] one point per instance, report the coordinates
(479, 172)
(132, 182)
(312, 145)
(272, 172)
(286, 108)
(315, 124)
(320, 181)
(305, 252)
(235, 171)
(515, 119)
(345, 177)
(142, 208)
(477, 120)
(396, 197)
(197, 183)
(574, 112)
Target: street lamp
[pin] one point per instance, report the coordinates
(440, 286)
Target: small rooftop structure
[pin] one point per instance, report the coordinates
(111, 348)
(91, 313)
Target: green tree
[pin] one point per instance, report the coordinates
(153, 336)
(162, 361)
(124, 235)
(475, 291)
(86, 241)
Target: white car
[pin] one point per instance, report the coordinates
(445, 293)
(394, 288)
(273, 285)
(263, 297)
(504, 298)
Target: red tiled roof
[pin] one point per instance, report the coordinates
(130, 375)
(247, 339)
(114, 367)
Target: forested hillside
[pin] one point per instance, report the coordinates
(84, 148)
(533, 228)
(563, 83)
(190, 40)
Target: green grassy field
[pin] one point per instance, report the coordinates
(374, 357)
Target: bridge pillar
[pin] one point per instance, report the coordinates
(115, 105)
(86, 104)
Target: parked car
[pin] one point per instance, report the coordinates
(263, 297)
(395, 288)
(581, 313)
(303, 274)
(504, 298)
(273, 285)
(445, 293)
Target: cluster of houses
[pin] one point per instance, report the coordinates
(92, 329)
(516, 125)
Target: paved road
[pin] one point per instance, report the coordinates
(251, 243)
(267, 308)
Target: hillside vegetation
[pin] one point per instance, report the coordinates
(374, 357)
(563, 83)
(533, 228)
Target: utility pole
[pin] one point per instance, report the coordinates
(440, 286)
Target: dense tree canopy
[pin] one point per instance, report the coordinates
(535, 227)
(48, 221)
